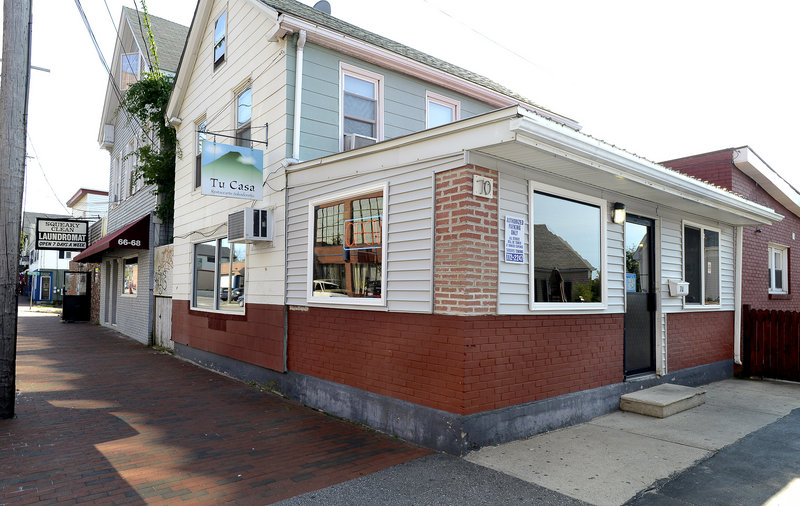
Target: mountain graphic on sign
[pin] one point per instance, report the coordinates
(232, 166)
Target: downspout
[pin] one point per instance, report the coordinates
(298, 94)
(737, 299)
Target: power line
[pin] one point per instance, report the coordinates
(114, 85)
(36, 155)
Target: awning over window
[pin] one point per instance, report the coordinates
(135, 235)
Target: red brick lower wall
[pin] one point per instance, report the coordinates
(698, 338)
(457, 364)
(255, 337)
(517, 359)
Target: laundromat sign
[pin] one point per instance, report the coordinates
(62, 235)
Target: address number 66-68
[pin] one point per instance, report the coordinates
(131, 242)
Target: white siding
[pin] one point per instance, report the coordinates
(513, 283)
(210, 95)
(409, 266)
(672, 258)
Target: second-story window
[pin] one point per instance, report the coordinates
(244, 113)
(131, 163)
(129, 70)
(361, 103)
(219, 40)
(441, 110)
(115, 176)
(201, 136)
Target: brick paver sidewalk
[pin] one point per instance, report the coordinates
(100, 418)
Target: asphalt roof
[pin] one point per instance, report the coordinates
(309, 13)
(170, 38)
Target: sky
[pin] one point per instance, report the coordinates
(659, 79)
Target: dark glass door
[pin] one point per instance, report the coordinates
(640, 294)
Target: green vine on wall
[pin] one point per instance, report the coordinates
(146, 101)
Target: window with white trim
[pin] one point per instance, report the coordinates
(130, 276)
(219, 39)
(701, 265)
(778, 269)
(568, 249)
(115, 176)
(244, 115)
(130, 162)
(201, 136)
(361, 103)
(129, 70)
(218, 276)
(440, 110)
(347, 260)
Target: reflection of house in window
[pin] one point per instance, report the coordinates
(561, 274)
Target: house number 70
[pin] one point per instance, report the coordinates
(482, 186)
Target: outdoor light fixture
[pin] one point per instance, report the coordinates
(619, 213)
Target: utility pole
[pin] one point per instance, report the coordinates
(13, 129)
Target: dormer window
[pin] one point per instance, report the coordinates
(219, 40)
(129, 70)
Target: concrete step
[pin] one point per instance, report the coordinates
(663, 400)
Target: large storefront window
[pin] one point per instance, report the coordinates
(701, 265)
(567, 252)
(219, 276)
(348, 249)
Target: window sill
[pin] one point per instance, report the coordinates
(702, 307)
(780, 296)
(217, 314)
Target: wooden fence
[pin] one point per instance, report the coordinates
(771, 343)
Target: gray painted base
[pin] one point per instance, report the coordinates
(441, 430)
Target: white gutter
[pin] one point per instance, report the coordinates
(542, 134)
(298, 94)
(737, 298)
(746, 160)
(352, 46)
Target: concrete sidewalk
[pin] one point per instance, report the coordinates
(611, 459)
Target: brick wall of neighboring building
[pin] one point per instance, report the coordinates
(698, 338)
(719, 169)
(465, 266)
(457, 364)
(255, 337)
(712, 167)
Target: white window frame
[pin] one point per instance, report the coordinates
(348, 301)
(703, 228)
(124, 58)
(122, 284)
(773, 248)
(199, 137)
(451, 103)
(217, 62)
(568, 307)
(345, 69)
(192, 294)
(248, 125)
(129, 167)
(115, 187)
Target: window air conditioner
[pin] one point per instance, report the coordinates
(355, 141)
(250, 225)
